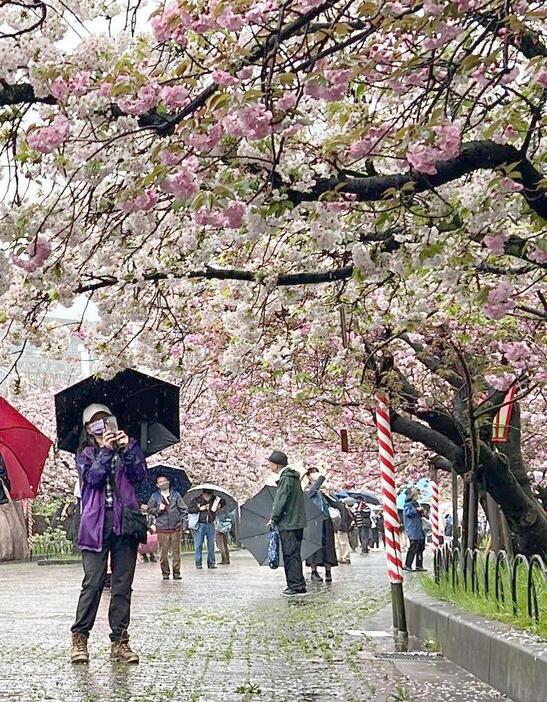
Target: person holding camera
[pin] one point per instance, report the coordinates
(110, 465)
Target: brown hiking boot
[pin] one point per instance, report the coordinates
(79, 653)
(121, 651)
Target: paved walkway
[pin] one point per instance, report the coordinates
(222, 635)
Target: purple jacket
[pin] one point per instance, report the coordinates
(93, 467)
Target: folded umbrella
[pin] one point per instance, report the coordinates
(254, 532)
(24, 449)
(177, 477)
(146, 408)
(231, 501)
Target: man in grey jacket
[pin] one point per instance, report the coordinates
(170, 511)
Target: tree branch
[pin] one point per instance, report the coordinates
(474, 156)
(210, 273)
(431, 439)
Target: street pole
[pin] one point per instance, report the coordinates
(391, 517)
(455, 520)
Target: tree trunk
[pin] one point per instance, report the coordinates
(524, 513)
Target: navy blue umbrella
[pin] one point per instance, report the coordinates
(177, 477)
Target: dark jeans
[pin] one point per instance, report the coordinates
(416, 549)
(205, 530)
(123, 557)
(365, 534)
(291, 543)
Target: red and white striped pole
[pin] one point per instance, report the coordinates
(435, 523)
(391, 517)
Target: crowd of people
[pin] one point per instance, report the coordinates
(114, 527)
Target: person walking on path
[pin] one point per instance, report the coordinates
(223, 527)
(168, 507)
(412, 516)
(364, 524)
(207, 506)
(324, 557)
(289, 516)
(380, 525)
(110, 465)
(341, 533)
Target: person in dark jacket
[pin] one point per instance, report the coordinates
(207, 506)
(342, 531)
(170, 511)
(325, 556)
(289, 516)
(412, 516)
(4, 482)
(110, 465)
(380, 525)
(364, 525)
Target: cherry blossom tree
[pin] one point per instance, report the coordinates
(253, 167)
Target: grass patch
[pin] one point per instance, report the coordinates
(488, 606)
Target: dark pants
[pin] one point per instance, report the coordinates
(291, 543)
(222, 543)
(123, 557)
(364, 537)
(416, 549)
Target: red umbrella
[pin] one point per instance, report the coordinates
(24, 449)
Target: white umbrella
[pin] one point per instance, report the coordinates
(217, 491)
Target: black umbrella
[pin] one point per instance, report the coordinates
(146, 408)
(370, 498)
(254, 532)
(177, 477)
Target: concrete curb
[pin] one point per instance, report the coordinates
(512, 662)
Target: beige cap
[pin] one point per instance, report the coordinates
(93, 409)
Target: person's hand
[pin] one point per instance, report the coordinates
(270, 523)
(109, 440)
(162, 507)
(204, 508)
(122, 439)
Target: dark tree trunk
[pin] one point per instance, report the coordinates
(502, 473)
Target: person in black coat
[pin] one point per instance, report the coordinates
(5, 483)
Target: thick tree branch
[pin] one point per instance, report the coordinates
(431, 439)
(434, 364)
(474, 156)
(210, 273)
(21, 94)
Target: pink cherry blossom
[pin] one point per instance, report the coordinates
(251, 122)
(287, 102)
(146, 100)
(141, 203)
(59, 89)
(47, 139)
(183, 185)
(234, 215)
(36, 254)
(509, 185)
(224, 79)
(174, 96)
(496, 243)
(207, 141)
(500, 301)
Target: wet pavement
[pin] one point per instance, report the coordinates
(223, 635)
